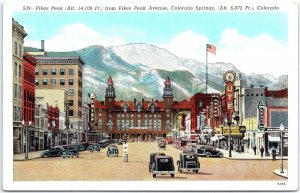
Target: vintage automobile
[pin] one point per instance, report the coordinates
(104, 143)
(151, 161)
(163, 165)
(188, 162)
(78, 146)
(94, 147)
(72, 151)
(161, 145)
(112, 151)
(56, 151)
(209, 151)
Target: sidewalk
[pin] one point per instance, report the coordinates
(31, 155)
(250, 156)
(247, 156)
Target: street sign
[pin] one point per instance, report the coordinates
(242, 129)
(261, 126)
(260, 105)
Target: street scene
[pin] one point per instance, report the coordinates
(91, 166)
(120, 99)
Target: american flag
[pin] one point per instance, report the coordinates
(211, 48)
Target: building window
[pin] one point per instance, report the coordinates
(62, 71)
(20, 51)
(71, 71)
(71, 92)
(71, 103)
(36, 72)
(16, 69)
(71, 112)
(262, 95)
(62, 81)
(45, 71)
(16, 90)
(53, 71)
(36, 81)
(45, 81)
(16, 48)
(20, 71)
(53, 82)
(71, 81)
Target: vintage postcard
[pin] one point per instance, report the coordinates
(138, 95)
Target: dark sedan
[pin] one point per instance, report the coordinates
(209, 151)
(53, 152)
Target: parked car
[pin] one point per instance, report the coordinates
(72, 151)
(209, 151)
(85, 145)
(56, 151)
(151, 161)
(163, 165)
(79, 146)
(188, 162)
(112, 151)
(104, 143)
(94, 147)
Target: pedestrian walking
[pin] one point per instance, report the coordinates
(274, 154)
(242, 148)
(254, 149)
(262, 151)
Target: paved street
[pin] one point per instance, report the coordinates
(97, 166)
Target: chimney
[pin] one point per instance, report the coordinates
(42, 46)
(143, 101)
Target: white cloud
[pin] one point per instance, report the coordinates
(76, 36)
(187, 44)
(259, 54)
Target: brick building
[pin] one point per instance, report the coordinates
(28, 98)
(140, 120)
(18, 35)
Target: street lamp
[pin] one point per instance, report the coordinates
(51, 126)
(281, 128)
(26, 136)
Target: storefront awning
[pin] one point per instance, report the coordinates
(274, 139)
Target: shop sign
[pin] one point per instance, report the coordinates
(235, 131)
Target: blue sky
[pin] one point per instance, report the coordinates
(242, 38)
(158, 26)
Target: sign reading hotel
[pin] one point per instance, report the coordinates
(229, 78)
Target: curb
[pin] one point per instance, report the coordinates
(250, 158)
(26, 159)
(279, 174)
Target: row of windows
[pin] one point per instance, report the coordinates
(138, 115)
(53, 71)
(53, 82)
(17, 91)
(18, 71)
(254, 94)
(18, 50)
(28, 77)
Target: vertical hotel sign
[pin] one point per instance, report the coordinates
(229, 78)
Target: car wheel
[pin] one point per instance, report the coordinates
(221, 155)
(172, 175)
(207, 154)
(77, 156)
(154, 175)
(180, 171)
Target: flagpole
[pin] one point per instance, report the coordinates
(206, 74)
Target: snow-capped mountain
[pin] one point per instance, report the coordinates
(139, 71)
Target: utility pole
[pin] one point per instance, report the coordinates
(67, 115)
